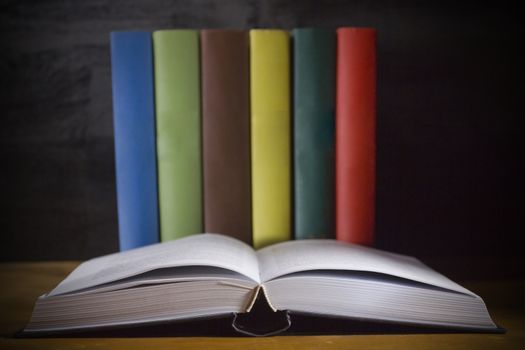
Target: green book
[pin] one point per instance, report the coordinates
(314, 120)
(177, 103)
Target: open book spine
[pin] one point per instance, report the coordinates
(260, 317)
(134, 124)
(270, 132)
(355, 134)
(177, 96)
(314, 101)
(226, 132)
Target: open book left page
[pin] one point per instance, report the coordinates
(204, 250)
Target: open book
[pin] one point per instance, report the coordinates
(210, 274)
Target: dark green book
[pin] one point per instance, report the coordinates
(314, 120)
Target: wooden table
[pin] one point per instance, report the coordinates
(22, 283)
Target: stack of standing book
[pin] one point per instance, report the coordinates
(206, 140)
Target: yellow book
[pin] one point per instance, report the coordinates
(270, 126)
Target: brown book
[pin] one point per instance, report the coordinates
(226, 132)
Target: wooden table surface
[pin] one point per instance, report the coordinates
(22, 283)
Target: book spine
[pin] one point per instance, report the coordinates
(270, 132)
(355, 135)
(314, 119)
(225, 67)
(134, 125)
(177, 97)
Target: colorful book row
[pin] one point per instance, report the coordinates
(205, 139)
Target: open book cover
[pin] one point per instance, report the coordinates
(207, 276)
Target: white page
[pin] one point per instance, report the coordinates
(197, 250)
(303, 255)
(173, 275)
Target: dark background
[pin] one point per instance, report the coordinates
(449, 162)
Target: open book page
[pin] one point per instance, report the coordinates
(175, 275)
(197, 250)
(304, 255)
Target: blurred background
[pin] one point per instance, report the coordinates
(449, 137)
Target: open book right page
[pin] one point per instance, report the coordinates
(306, 255)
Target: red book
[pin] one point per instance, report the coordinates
(355, 135)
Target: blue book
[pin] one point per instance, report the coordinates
(134, 125)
